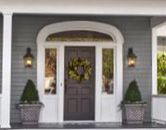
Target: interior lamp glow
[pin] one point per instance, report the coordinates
(131, 57)
(28, 59)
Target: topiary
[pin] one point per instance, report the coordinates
(30, 93)
(133, 94)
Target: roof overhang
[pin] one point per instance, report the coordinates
(88, 7)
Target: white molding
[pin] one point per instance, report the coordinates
(154, 61)
(158, 104)
(98, 83)
(117, 44)
(61, 84)
(80, 25)
(154, 56)
(159, 121)
(6, 70)
(97, 7)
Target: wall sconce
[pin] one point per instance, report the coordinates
(28, 59)
(131, 57)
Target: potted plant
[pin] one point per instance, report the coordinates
(133, 105)
(29, 105)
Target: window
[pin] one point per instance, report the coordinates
(79, 36)
(161, 65)
(108, 71)
(50, 71)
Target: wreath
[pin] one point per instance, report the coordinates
(79, 69)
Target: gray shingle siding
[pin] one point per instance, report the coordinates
(136, 32)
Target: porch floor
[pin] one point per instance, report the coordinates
(87, 125)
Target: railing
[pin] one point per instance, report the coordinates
(159, 108)
(0, 108)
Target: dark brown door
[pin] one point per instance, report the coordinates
(79, 96)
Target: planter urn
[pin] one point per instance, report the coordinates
(29, 113)
(134, 113)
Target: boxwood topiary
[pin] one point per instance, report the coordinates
(133, 94)
(30, 93)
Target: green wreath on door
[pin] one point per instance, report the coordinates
(79, 69)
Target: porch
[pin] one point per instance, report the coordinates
(20, 31)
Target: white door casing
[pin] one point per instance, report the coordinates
(53, 104)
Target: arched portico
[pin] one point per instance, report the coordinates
(103, 102)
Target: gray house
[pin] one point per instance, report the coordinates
(99, 34)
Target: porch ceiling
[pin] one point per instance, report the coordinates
(91, 7)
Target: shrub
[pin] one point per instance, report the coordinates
(161, 64)
(133, 94)
(30, 93)
(161, 73)
(161, 81)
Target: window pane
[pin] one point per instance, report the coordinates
(108, 71)
(161, 65)
(50, 71)
(79, 36)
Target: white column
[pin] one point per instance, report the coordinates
(61, 84)
(154, 61)
(6, 70)
(119, 80)
(98, 83)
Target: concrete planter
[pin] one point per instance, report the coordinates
(29, 113)
(134, 113)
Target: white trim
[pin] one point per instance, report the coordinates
(156, 115)
(98, 84)
(154, 57)
(80, 7)
(6, 70)
(159, 121)
(119, 80)
(80, 25)
(61, 88)
(117, 44)
(154, 61)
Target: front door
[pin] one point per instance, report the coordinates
(79, 92)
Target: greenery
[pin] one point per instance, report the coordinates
(161, 72)
(108, 63)
(133, 94)
(161, 82)
(79, 69)
(30, 93)
(161, 64)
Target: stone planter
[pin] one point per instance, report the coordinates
(134, 113)
(29, 113)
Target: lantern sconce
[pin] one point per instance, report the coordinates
(131, 57)
(28, 59)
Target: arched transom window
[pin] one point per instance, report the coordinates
(79, 36)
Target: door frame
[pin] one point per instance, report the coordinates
(117, 44)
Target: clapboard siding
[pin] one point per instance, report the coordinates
(136, 32)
